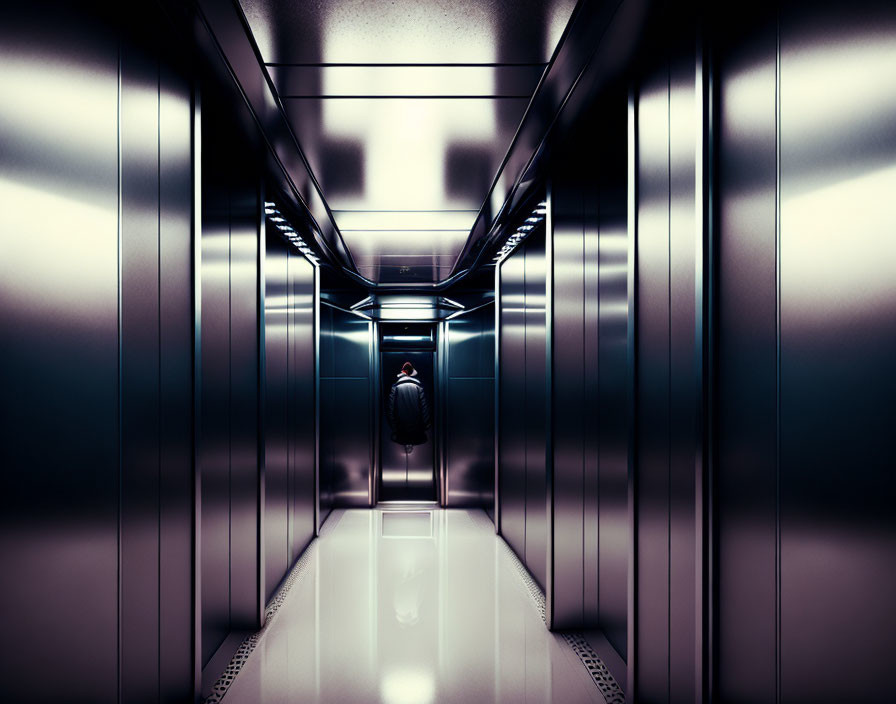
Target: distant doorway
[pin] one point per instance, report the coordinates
(403, 476)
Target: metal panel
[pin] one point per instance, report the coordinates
(652, 588)
(683, 121)
(512, 409)
(59, 313)
(837, 342)
(231, 598)
(214, 457)
(535, 428)
(139, 537)
(245, 604)
(349, 428)
(568, 370)
(469, 426)
(346, 439)
(176, 611)
(746, 651)
(277, 328)
(592, 401)
(612, 426)
(302, 473)
(289, 409)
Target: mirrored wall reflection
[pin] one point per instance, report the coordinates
(59, 315)
(522, 405)
(346, 415)
(837, 341)
(289, 440)
(807, 254)
(468, 366)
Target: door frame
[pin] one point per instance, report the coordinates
(436, 405)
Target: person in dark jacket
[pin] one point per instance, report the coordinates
(407, 410)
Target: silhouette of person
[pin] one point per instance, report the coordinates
(407, 410)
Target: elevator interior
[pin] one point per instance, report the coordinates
(646, 251)
(403, 475)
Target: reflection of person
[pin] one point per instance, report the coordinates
(407, 410)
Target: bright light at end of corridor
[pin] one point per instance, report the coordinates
(407, 687)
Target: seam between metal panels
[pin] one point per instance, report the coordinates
(220, 688)
(778, 357)
(669, 380)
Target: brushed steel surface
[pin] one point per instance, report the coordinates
(747, 407)
(245, 605)
(512, 390)
(346, 431)
(668, 121)
(214, 447)
(156, 374)
(59, 313)
(177, 403)
(278, 323)
(139, 376)
(289, 409)
(591, 397)
(302, 413)
(535, 428)
(684, 119)
(569, 412)
(612, 359)
(230, 394)
(837, 339)
(469, 423)
(652, 635)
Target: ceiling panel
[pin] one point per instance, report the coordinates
(405, 242)
(405, 154)
(397, 220)
(405, 110)
(418, 81)
(407, 31)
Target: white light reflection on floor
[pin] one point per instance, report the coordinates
(410, 618)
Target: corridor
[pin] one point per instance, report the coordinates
(447, 351)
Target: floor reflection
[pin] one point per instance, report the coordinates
(411, 606)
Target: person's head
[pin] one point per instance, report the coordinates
(408, 368)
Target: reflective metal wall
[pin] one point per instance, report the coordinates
(522, 405)
(229, 451)
(806, 342)
(588, 314)
(289, 469)
(346, 431)
(511, 407)
(60, 356)
(97, 373)
(666, 381)
(156, 372)
(469, 443)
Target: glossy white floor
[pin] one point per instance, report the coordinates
(402, 608)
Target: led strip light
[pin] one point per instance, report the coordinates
(522, 231)
(288, 233)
